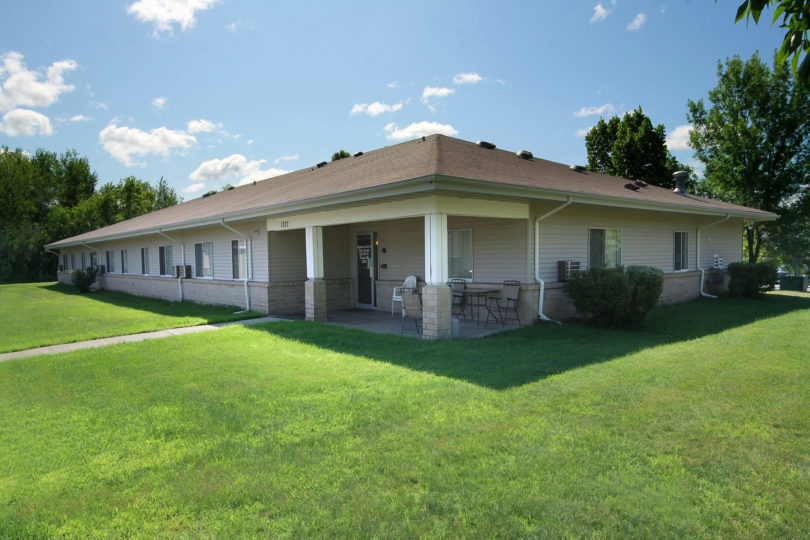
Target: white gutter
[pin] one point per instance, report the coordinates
(248, 269)
(703, 270)
(183, 249)
(540, 280)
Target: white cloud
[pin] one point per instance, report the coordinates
(123, 142)
(25, 123)
(418, 129)
(376, 108)
(160, 102)
(433, 91)
(203, 126)
(99, 105)
(607, 108)
(164, 14)
(467, 78)
(20, 86)
(194, 187)
(250, 141)
(637, 23)
(392, 84)
(80, 118)
(234, 165)
(286, 158)
(679, 138)
(599, 13)
(582, 132)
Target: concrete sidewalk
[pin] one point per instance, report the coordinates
(101, 342)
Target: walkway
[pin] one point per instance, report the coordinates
(101, 342)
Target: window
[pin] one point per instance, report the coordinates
(109, 258)
(72, 261)
(145, 261)
(93, 261)
(460, 254)
(203, 258)
(165, 255)
(239, 259)
(84, 267)
(124, 265)
(680, 260)
(605, 247)
(64, 261)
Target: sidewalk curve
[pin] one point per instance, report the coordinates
(101, 342)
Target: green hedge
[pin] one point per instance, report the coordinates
(615, 297)
(82, 279)
(751, 279)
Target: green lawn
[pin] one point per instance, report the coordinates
(37, 314)
(697, 425)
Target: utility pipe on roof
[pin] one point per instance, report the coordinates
(703, 270)
(543, 316)
(248, 269)
(183, 249)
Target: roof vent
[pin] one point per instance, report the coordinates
(321, 164)
(485, 144)
(631, 187)
(524, 154)
(680, 182)
(641, 183)
(577, 168)
(357, 154)
(230, 188)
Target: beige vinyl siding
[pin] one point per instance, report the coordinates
(499, 247)
(336, 252)
(647, 237)
(404, 243)
(724, 239)
(288, 255)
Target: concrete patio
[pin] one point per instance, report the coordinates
(382, 322)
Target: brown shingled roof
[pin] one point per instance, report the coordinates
(430, 158)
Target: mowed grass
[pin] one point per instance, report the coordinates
(37, 314)
(697, 425)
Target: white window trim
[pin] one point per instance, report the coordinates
(621, 244)
(472, 255)
(145, 261)
(124, 254)
(682, 270)
(212, 259)
(170, 266)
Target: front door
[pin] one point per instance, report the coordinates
(365, 269)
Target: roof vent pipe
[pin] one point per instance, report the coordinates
(485, 144)
(524, 154)
(680, 182)
(321, 164)
(577, 168)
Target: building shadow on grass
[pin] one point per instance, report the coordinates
(209, 313)
(517, 357)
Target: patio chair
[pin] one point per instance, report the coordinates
(412, 309)
(409, 285)
(457, 286)
(500, 305)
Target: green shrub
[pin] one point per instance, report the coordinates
(617, 296)
(82, 279)
(751, 279)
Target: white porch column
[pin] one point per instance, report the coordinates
(436, 296)
(315, 287)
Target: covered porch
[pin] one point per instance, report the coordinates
(353, 258)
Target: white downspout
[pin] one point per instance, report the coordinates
(703, 270)
(543, 316)
(247, 261)
(183, 249)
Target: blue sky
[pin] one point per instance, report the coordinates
(207, 92)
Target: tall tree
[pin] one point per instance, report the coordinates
(631, 147)
(755, 142)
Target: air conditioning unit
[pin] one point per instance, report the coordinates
(566, 268)
(183, 271)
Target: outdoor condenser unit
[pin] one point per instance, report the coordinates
(565, 268)
(183, 271)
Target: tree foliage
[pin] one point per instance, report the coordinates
(755, 141)
(45, 197)
(795, 16)
(340, 154)
(631, 147)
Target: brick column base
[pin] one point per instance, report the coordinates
(315, 299)
(436, 319)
